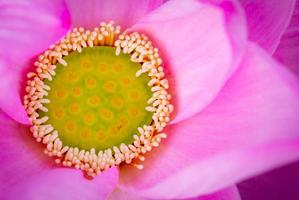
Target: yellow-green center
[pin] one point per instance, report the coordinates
(97, 101)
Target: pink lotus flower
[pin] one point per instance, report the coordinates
(236, 107)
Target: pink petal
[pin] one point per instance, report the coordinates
(27, 28)
(21, 157)
(119, 194)
(251, 127)
(90, 13)
(27, 174)
(267, 21)
(278, 184)
(10, 100)
(230, 193)
(196, 45)
(288, 49)
(223, 170)
(64, 184)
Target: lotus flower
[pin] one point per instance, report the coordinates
(236, 107)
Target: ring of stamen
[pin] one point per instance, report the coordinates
(91, 161)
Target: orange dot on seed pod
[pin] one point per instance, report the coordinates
(117, 102)
(72, 76)
(86, 64)
(85, 133)
(89, 118)
(59, 113)
(118, 127)
(100, 135)
(109, 86)
(115, 130)
(134, 111)
(106, 114)
(61, 93)
(126, 81)
(94, 101)
(74, 108)
(70, 126)
(91, 82)
(102, 68)
(134, 95)
(123, 121)
(121, 124)
(77, 91)
(117, 67)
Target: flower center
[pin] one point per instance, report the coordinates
(98, 99)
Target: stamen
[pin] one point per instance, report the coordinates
(38, 92)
